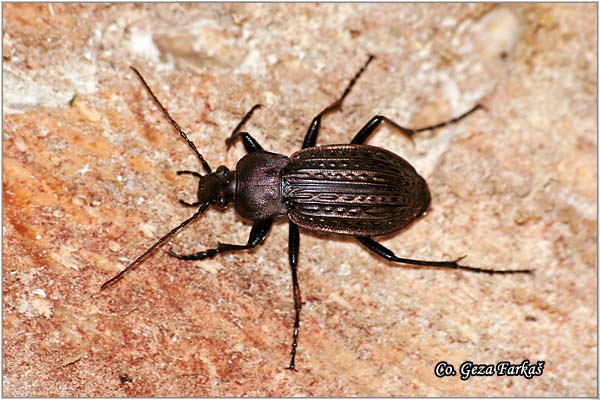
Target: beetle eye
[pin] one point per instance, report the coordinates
(222, 170)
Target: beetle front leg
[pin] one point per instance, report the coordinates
(313, 130)
(257, 234)
(250, 143)
(294, 248)
(374, 123)
(389, 255)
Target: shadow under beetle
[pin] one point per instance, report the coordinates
(348, 189)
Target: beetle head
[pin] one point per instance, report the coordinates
(218, 187)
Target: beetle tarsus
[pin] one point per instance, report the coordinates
(201, 255)
(186, 172)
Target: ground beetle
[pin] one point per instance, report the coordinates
(348, 189)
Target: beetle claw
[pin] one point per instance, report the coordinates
(171, 253)
(459, 259)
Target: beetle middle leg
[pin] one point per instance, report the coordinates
(313, 130)
(374, 123)
(389, 255)
(257, 234)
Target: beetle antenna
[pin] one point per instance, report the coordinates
(173, 122)
(154, 246)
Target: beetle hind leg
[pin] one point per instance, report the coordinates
(389, 255)
(257, 234)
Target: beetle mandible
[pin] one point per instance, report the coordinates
(346, 189)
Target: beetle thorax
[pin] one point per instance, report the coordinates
(258, 190)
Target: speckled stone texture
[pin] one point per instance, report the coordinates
(89, 182)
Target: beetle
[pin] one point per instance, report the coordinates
(346, 189)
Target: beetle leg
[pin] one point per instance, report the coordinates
(186, 172)
(249, 142)
(386, 253)
(257, 234)
(313, 130)
(194, 204)
(294, 247)
(374, 123)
